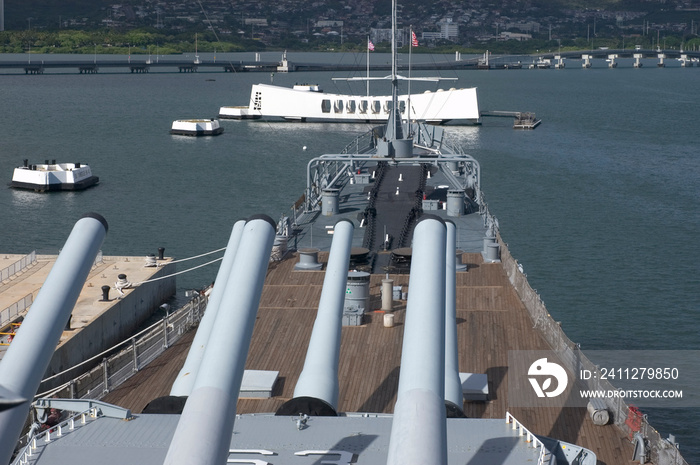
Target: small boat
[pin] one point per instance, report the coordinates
(541, 63)
(515, 65)
(53, 176)
(196, 127)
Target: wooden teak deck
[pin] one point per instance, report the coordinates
(491, 320)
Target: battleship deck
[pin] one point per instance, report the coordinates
(95, 324)
(491, 320)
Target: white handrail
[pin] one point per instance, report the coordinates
(23, 456)
(183, 313)
(529, 437)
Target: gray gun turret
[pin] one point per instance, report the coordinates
(203, 433)
(418, 429)
(316, 391)
(185, 379)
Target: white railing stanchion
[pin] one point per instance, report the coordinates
(135, 354)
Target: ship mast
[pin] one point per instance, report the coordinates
(393, 47)
(394, 128)
(390, 145)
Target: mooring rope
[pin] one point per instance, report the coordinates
(196, 256)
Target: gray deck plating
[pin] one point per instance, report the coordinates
(315, 227)
(146, 438)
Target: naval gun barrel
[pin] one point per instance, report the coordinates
(316, 391)
(203, 434)
(188, 374)
(453, 386)
(419, 430)
(29, 355)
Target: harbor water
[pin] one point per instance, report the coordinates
(600, 204)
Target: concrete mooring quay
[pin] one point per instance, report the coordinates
(96, 322)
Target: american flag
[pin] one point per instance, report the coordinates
(414, 39)
(370, 45)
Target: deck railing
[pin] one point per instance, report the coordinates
(133, 354)
(661, 451)
(529, 437)
(30, 445)
(128, 357)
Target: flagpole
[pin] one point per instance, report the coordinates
(367, 66)
(410, 49)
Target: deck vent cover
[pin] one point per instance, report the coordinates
(455, 202)
(330, 202)
(356, 298)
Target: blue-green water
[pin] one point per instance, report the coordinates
(600, 203)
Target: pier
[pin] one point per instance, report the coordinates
(97, 321)
(521, 119)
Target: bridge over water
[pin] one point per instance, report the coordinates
(134, 66)
(545, 60)
(621, 53)
(169, 64)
